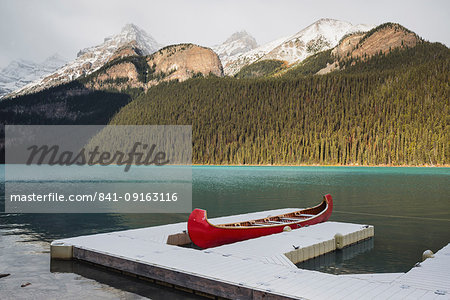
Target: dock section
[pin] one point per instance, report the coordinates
(261, 268)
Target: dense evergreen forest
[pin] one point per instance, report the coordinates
(393, 111)
(67, 104)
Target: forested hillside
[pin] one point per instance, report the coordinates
(68, 104)
(388, 109)
(260, 68)
(371, 116)
(311, 65)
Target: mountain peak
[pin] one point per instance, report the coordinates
(329, 20)
(321, 35)
(238, 35)
(21, 72)
(130, 27)
(238, 43)
(130, 33)
(327, 23)
(91, 59)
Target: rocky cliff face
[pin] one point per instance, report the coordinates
(177, 62)
(382, 39)
(181, 62)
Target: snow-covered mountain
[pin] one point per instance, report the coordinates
(131, 40)
(238, 43)
(22, 72)
(321, 35)
(237, 51)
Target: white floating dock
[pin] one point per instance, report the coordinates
(258, 268)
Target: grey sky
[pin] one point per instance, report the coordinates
(35, 30)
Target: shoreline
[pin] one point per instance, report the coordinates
(318, 165)
(303, 165)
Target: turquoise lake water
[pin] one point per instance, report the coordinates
(409, 208)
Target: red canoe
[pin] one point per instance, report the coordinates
(206, 235)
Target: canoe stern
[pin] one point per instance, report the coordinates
(329, 210)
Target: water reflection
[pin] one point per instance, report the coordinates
(29, 263)
(119, 281)
(48, 227)
(335, 262)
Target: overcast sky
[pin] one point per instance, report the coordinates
(34, 30)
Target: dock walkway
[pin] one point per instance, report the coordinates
(261, 268)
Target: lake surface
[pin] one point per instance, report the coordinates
(409, 208)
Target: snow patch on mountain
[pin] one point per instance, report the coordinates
(319, 36)
(22, 72)
(129, 33)
(91, 59)
(238, 43)
(234, 64)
